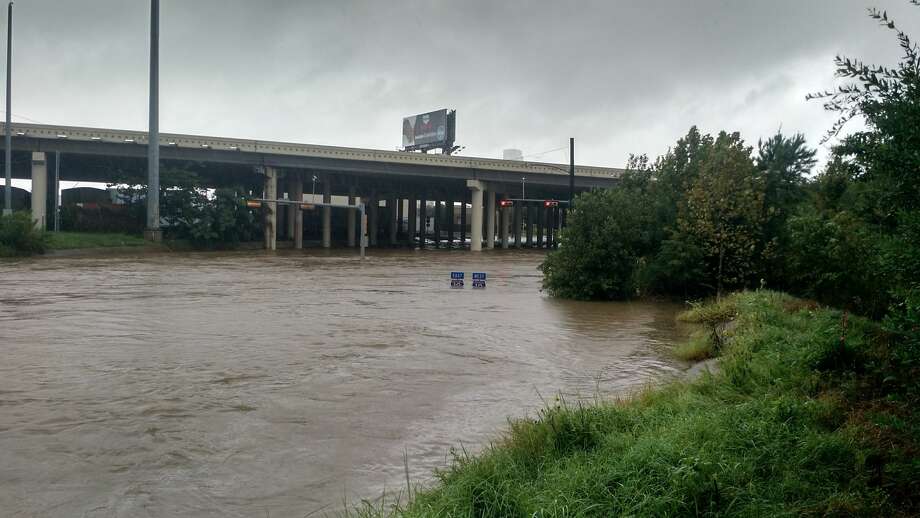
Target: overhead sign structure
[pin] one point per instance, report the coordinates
(456, 280)
(432, 130)
(479, 280)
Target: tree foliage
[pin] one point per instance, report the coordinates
(606, 235)
(722, 214)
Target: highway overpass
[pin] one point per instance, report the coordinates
(397, 183)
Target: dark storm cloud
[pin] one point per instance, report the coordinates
(621, 76)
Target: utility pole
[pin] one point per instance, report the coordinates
(571, 171)
(8, 188)
(153, 136)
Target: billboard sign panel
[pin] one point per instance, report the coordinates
(429, 130)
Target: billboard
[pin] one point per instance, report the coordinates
(429, 130)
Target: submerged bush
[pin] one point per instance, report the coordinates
(18, 235)
(599, 249)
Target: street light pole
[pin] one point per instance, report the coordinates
(153, 136)
(8, 186)
(523, 179)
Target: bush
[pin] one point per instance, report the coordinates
(223, 221)
(18, 235)
(834, 259)
(600, 248)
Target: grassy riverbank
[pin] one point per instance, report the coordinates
(804, 418)
(77, 240)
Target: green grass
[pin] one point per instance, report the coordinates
(797, 422)
(71, 240)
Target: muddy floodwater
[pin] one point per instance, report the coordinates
(253, 384)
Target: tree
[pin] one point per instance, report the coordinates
(784, 163)
(599, 250)
(888, 100)
(723, 214)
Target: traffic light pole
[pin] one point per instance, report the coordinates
(571, 170)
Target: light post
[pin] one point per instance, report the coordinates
(153, 136)
(313, 196)
(8, 186)
(523, 179)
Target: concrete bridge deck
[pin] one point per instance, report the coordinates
(405, 181)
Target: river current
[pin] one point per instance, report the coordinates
(255, 384)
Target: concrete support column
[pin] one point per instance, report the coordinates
(517, 211)
(393, 210)
(554, 234)
(505, 223)
(490, 219)
(39, 191)
(529, 223)
(449, 221)
(476, 220)
(327, 213)
(401, 212)
(296, 192)
(352, 218)
(463, 202)
(422, 223)
(269, 209)
(437, 223)
(541, 213)
(412, 229)
(372, 206)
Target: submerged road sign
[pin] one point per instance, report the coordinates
(456, 280)
(479, 280)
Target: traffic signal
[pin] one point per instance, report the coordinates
(550, 203)
(506, 203)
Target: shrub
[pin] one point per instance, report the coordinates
(600, 248)
(18, 235)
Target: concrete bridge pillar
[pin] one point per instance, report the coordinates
(517, 211)
(505, 223)
(393, 212)
(463, 201)
(490, 219)
(295, 212)
(372, 206)
(401, 212)
(529, 223)
(411, 223)
(540, 213)
(422, 221)
(39, 191)
(437, 223)
(476, 220)
(270, 216)
(449, 220)
(327, 213)
(352, 215)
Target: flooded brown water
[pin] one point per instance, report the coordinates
(248, 384)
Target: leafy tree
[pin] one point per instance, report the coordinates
(723, 213)
(607, 233)
(832, 257)
(888, 100)
(784, 163)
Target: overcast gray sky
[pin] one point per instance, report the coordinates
(620, 76)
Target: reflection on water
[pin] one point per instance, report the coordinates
(251, 384)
